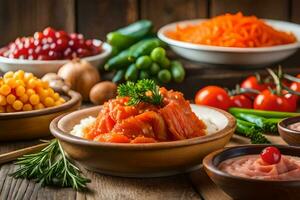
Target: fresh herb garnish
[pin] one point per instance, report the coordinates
(50, 166)
(143, 91)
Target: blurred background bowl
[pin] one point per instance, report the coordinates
(42, 67)
(255, 57)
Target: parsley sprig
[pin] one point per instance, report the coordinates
(50, 166)
(143, 91)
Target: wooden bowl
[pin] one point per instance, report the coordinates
(35, 124)
(142, 160)
(292, 137)
(246, 188)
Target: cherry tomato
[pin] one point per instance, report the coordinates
(296, 86)
(266, 100)
(240, 101)
(213, 96)
(270, 155)
(293, 99)
(252, 83)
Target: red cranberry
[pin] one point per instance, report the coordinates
(271, 155)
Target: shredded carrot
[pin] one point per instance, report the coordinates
(232, 30)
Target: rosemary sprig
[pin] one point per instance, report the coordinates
(50, 166)
(143, 91)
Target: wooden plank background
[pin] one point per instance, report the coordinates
(95, 18)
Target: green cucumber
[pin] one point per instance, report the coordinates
(126, 36)
(131, 73)
(119, 76)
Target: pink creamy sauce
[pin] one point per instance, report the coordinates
(252, 166)
(295, 126)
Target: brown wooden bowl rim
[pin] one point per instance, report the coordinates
(64, 136)
(209, 166)
(282, 125)
(75, 97)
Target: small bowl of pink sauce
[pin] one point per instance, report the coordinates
(256, 171)
(289, 130)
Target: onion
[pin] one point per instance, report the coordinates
(80, 75)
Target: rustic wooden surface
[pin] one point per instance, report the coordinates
(190, 186)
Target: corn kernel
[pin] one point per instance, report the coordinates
(2, 100)
(20, 90)
(9, 74)
(9, 108)
(2, 109)
(17, 105)
(28, 76)
(20, 82)
(38, 83)
(56, 96)
(62, 100)
(5, 90)
(34, 99)
(10, 99)
(51, 92)
(31, 83)
(24, 98)
(19, 74)
(11, 82)
(45, 84)
(43, 93)
(39, 106)
(30, 92)
(58, 103)
(49, 102)
(27, 107)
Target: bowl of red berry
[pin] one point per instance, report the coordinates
(48, 50)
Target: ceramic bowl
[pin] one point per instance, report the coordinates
(246, 188)
(142, 160)
(35, 124)
(231, 55)
(292, 137)
(42, 67)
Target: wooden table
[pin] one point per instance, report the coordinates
(194, 185)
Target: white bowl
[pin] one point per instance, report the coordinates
(258, 56)
(42, 67)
